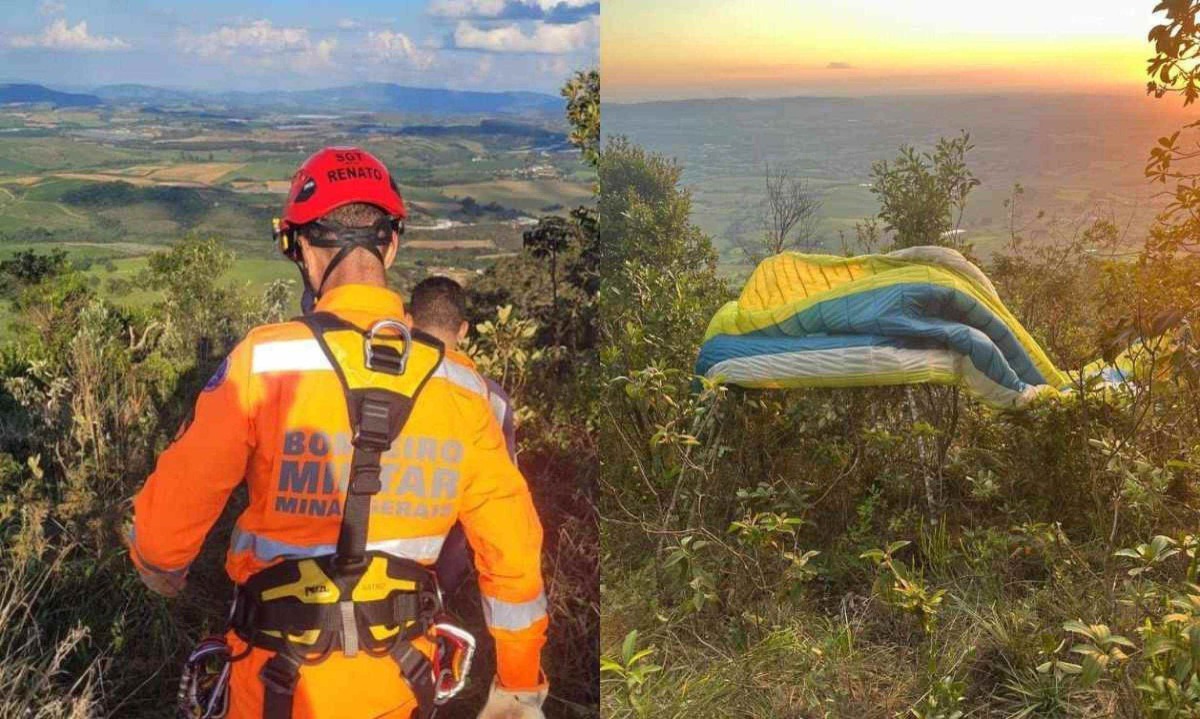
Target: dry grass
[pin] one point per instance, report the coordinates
(33, 666)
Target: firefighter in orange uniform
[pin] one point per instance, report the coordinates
(360, 448)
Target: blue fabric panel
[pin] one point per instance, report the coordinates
(924, 314)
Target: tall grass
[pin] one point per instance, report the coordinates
(91, 391)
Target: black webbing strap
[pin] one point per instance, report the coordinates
(418, 672)
(279, 677)
(356, 513)
(377, 416)
(371, 239)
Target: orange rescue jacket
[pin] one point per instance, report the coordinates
(274, 415)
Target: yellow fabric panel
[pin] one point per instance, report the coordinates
(376, 583)
(788, 283)
(347, 349)
(792, 276)
(313, 586)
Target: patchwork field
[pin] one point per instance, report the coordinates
(531, 196)
(112, 185)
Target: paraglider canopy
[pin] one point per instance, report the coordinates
(918, 315)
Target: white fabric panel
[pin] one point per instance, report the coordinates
(948, 258)
(861, 362)
(288, 356)
(499, 408)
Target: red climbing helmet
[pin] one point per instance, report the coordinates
(331, 178)
(338, 176)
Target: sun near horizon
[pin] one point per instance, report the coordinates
(675, 49)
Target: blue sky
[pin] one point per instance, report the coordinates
(287, 44)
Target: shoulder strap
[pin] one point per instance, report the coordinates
(381, 376)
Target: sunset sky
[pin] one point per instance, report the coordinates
(757, 48)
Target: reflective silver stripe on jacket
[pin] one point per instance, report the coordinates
(499, 407)
(288, 356)
(513, 616)
(267, 549)
(461, 376)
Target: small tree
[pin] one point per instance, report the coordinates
(788, 216)
(551, 237)
(922, 196)
(30, 267)
(1174, 71)
(583, 112)
(202, 311)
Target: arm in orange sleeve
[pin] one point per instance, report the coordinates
(187, 492)
(500, 522)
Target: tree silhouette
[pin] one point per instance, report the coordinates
(551, 237)
(1174, 71)
(788, 216)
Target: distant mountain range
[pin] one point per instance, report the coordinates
(29, 93)
(365, 97)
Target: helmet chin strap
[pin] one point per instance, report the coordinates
(348, 240)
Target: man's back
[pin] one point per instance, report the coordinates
(276, 415)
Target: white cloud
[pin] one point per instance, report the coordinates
(555, 66)
(259, 36)
(496, 8)
(545, 38)
(347, 23)
(60, 36)
(388, 46)
(261, 44)
(51, 7)
(467, 8)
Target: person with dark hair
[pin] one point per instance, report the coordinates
(361, 445)
(439, 307)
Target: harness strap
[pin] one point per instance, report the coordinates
(372, 239)
(356, 513)
(418, 672)
(279, 677)
(377, 416)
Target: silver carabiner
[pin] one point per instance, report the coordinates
(446, 684)
(202, 693)
(405, 334)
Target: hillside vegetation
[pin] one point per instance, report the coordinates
(898, 552)
(92, 388)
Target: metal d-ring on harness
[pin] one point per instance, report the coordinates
(357, 600)
(369, 352)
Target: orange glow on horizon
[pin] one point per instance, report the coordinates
(775, 47)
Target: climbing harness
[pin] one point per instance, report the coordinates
(356, 599)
